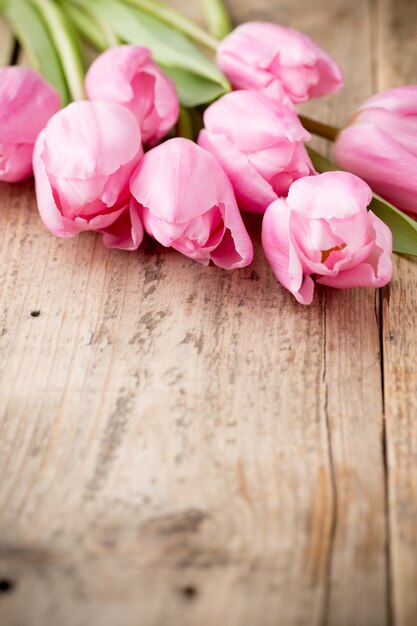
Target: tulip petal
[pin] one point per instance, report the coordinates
(48, 210)
(330, 195)
(379, 158)
(51, 215)
(254, 121)
(188, 203)
(399, 100)
(27, 102)
(126, 233)
(179, 181)
(235, 249)
(15, 162)
(99, 138)
(127, 75)
(376, 270)
(257, 54)
(121, 64)
(281, 254)
(351, 251)
(253, 192)
(258, 143)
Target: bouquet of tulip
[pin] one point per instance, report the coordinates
(160, 137)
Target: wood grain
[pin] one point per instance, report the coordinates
(397, 66)
(181, 445)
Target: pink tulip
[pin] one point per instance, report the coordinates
(27, 102)
(259, 55)
(258, 143)
(323, 228)
(380, 146)
(127, 75)
(187, 202)
(83, 161)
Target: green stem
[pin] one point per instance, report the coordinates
(179, 21)
(88, 26)
(66, 46)
(320, 162)
(317, 128)
(185, 125)
(218, 18)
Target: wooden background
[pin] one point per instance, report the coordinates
(187, 446)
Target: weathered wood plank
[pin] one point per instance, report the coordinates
(144, 426)
(182, 445)
(132, 406)
(397, 66)
(358, 590)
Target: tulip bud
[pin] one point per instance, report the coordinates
(259, 144)
(187, 202)
(380, 146)
(259, 55)
(82, 162)
(324, 228)
(127, 75)
(27, 102)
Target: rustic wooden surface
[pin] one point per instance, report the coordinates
(187, 446)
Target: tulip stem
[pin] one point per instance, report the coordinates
(218, 18)
(181, 22)
(94, 31)
(184, 126)
(66, 45)
(320, 162)
(320, 129)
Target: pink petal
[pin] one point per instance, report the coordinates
(15, 162)
(253, 192)
(127, 75)
(281, 254)
(51, 216)
(126, 233)
(181, 188)
(256, 54)
(27, 102)
(330, 195)
(387, 165)
(254, 121)
(376, 270)
(48, 210)
(99, 138)
(399, 100)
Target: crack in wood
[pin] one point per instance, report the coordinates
(379, 297)
(332, 476)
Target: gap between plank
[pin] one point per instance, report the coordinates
(374, 9)
(384, 442)
(332, 471)
(374, 20)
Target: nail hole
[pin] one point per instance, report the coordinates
(6, 586)
(189, 591)
(35, 313)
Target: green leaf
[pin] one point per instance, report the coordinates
(34, 37)
(170, 48)
(403, 228)
(86, 26)
(217, 16)
(193, 90)
(167, 13)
